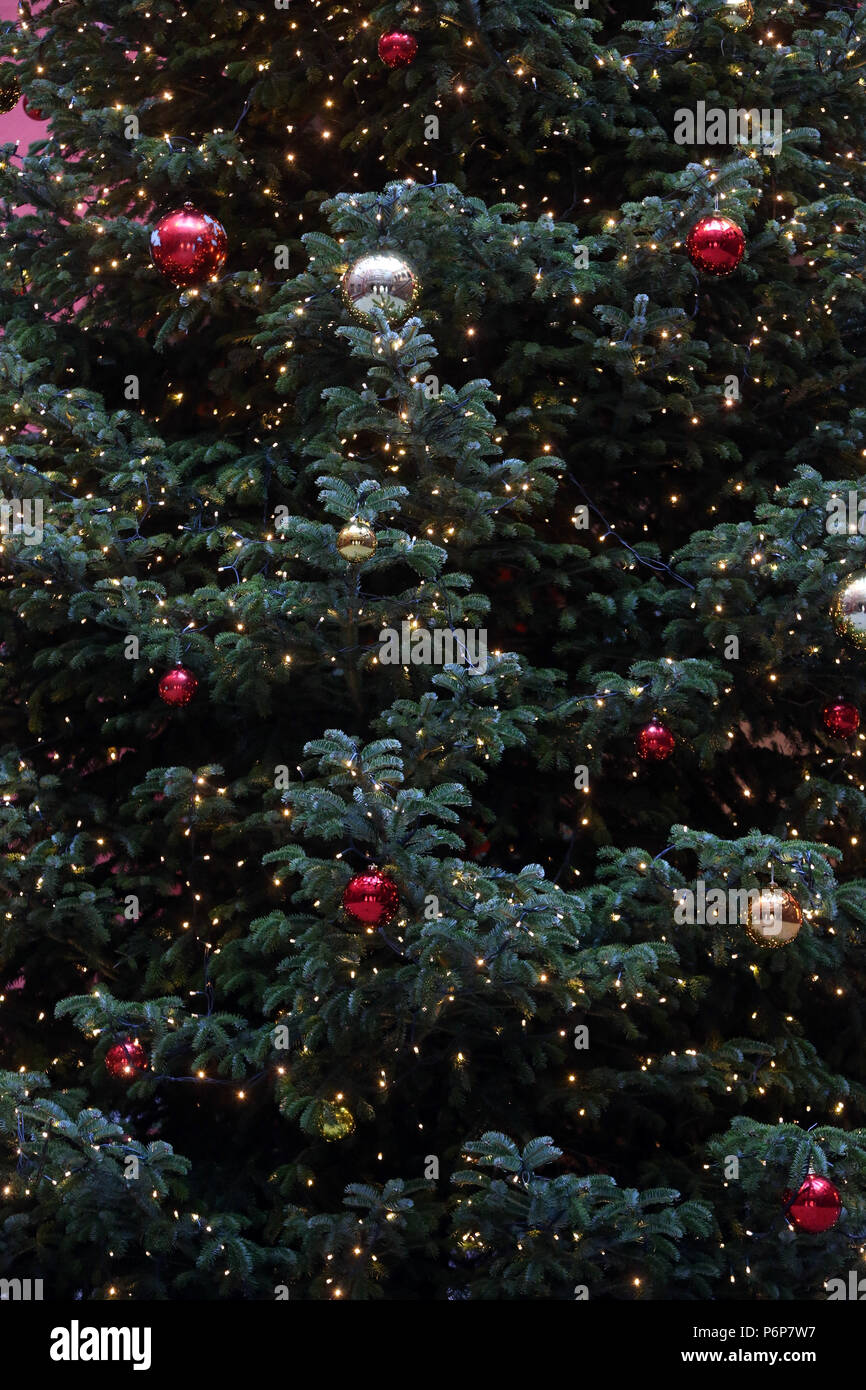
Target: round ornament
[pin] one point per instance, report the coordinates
(397, 50)
(715, 245)
(774, 918)
(188, 246)
(178, 686)
(841, 718)
(33, 112)
(126, 1059)
(10, 88)
(736, 14)
(816, 1206)
(335, 1122)
(272, 420)
(380, 280)
(356, 542)
(849, 609)
(371, 899)
(655, 742)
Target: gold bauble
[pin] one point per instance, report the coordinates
(849, 608)
(736, 14)
(774, 918)
(356, 542)
(271, 421)
(335, 1122)
(10, 88)
(380, 280)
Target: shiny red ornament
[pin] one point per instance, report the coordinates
(178, 686)
(126, 1059)
(841, 718)
(655, 742)
(815, 1207)
(32, 111)
(715, 245)
(371, 898)
(398, 50)
(188, 246)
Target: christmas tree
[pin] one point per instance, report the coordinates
(432, 446)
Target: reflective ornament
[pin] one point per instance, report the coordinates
(178, 686)
(815, 1207)
(715, 245)
(655, 742)
(33, 112)
(271, 421)
(774, 918)
(335, 1122)
(188, 246)
(371, 899)
(397, 50)
(357, 542)
(841, 718)
(380, 280)
(849, 609)
(126, 1059)
(736, 14)
(10, 88)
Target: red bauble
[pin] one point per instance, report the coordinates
(397, 50)
(716, 245)
(32, 111)
(188, 246)
(842, 718)
(655, 742)
(371, 898)
(178, 686)
(126, 1059)
(816, 1206)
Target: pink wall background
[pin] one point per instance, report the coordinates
(17, 126)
